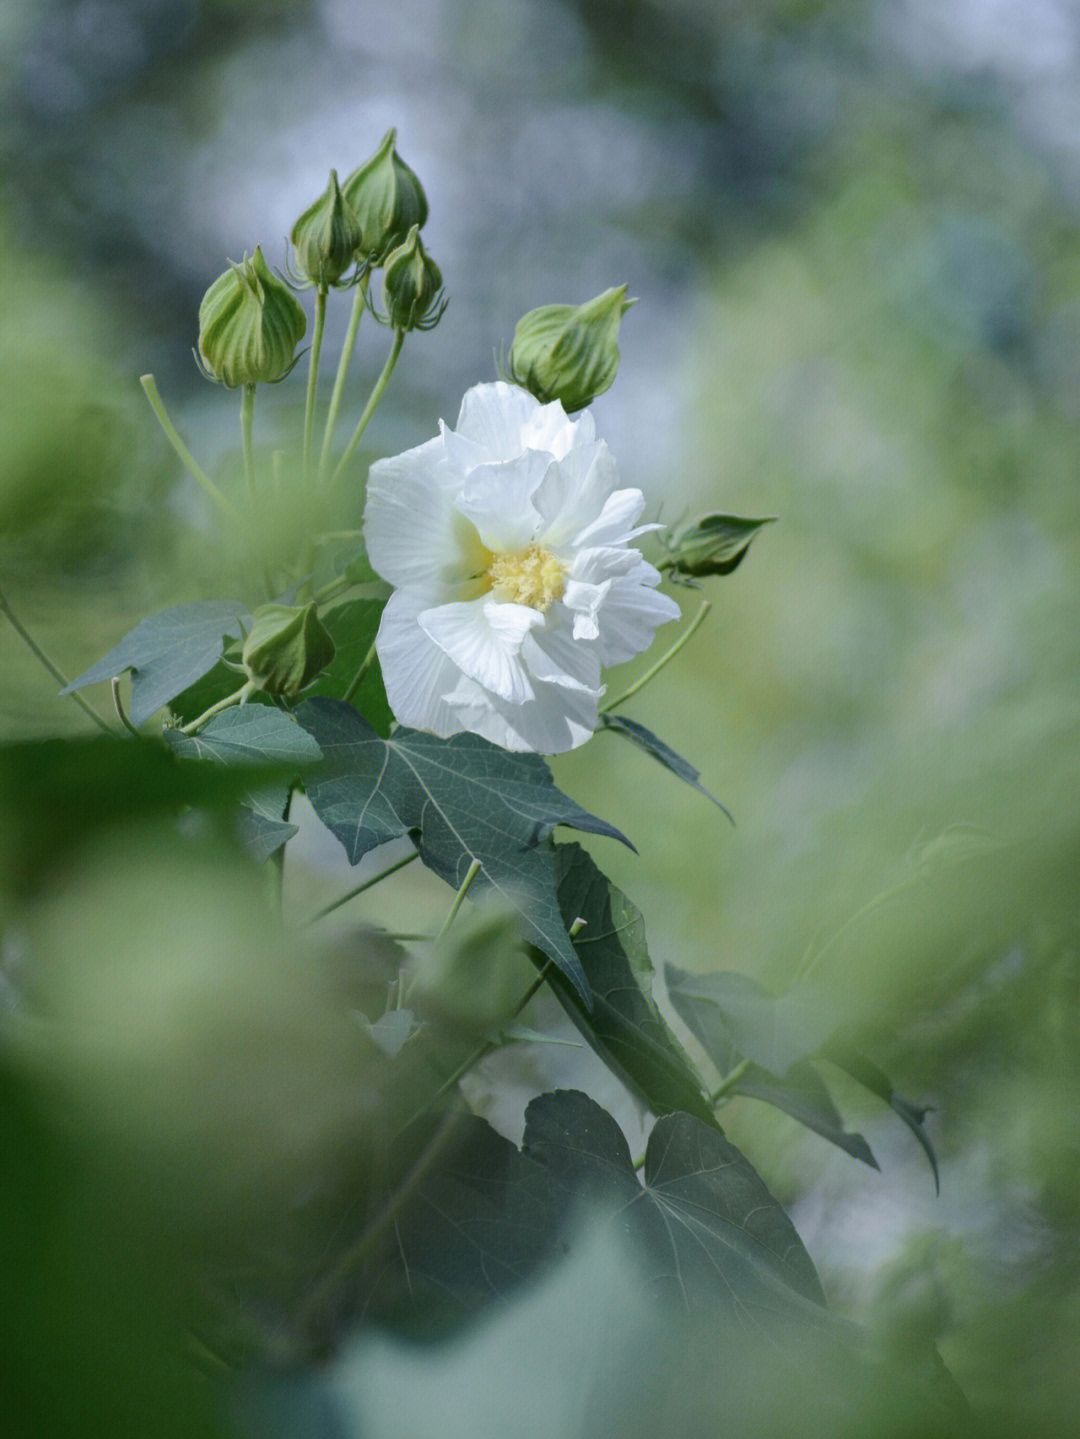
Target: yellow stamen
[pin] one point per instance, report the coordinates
(533, 577)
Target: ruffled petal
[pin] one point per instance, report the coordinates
(550, 428)
(553, 656)
(494, 416)
(498, 500)
(413, 534)
(614, 523)
(483, 639)
(630, 614)
(423, 685)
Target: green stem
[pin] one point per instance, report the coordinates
(237, 697)
(43, 659)
(278, 860)
(459, 898)
(313, 377)
(360, 888)
(190, 464)
(118, 706)
(358, 677)
(332, 589)
(359, 301)
(729, 1081)
(247, 419)
(372, 404)
(651, 673)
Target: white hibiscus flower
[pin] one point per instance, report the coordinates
(509, 547)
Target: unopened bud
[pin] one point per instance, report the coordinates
(569, 352)
(250, 324)
(412, 286)
(286, 648)
(713, 545)
(326, 237)
(386, 198)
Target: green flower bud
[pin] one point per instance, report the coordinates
(569, 352)
(713, 545)
(286, 648)
(412, 286)
(386, 198)
(326, 236)
(250, 324)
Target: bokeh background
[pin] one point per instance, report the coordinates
(853, 228)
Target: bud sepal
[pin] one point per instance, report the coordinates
(250, 324)
(286, 649)
(413, 296)
(569, 352)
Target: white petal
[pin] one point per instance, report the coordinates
(553, 656)
(413, 533)
(615, 521)
(422, 682)
(584, 601)
(494, 416)
(483, 639)
(498, 500)
(631, 611)
(558, 719)
(573, 493)
(550, 428)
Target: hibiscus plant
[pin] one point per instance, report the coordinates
(406, 657)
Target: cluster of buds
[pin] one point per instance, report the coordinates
(250, 323)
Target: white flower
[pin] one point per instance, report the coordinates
(509, 547)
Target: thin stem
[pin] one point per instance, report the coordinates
(332, 589)
(278, 860)
(188, 459)
(459, 898)
(237, 697)
(313, 377)
(639, 684)
(118, 706)
(373, 401)
(358, 677)
(360, 888)
(247, 419)
(359, 301)
(43, 659)
(729, 1081)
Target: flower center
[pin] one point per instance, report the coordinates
(532, 577)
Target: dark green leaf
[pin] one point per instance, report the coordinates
(353, 627)
(465, 798)
(709, 1231)
(772, 1031)
(248, 735)
(646, 740)
(624, 1025)
(167, 653)
(840, 1053)
(261, 821)
(713, 545)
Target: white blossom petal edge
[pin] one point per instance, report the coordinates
(509, 547)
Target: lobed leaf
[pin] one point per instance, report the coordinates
(463, 799)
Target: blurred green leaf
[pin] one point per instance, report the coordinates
(840, 1053)
(465, 798)
(646, 740)
(167, 653)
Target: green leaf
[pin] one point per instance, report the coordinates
(840, 1053)
(772, 1031)
(713, 545)
(167, 653)
(646, 740)
(353, 627)
(709, 1231)
(465, 799)
(623, 1026)
(733, 1017)
(802, 1094)
(248, 735)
